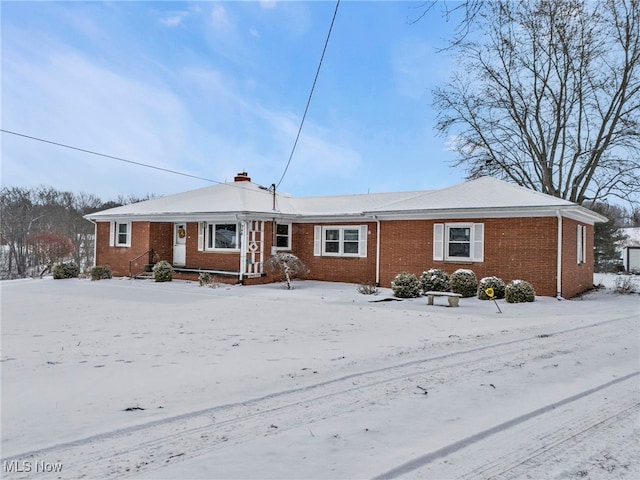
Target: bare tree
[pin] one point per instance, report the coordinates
(547, 94)
(28, 213)
(49, 248)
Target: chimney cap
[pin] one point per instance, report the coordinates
(242, 177)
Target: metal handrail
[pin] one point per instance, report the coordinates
(148, 252)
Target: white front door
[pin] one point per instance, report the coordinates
(180, 244)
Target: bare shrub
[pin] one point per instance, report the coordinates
(285, 266)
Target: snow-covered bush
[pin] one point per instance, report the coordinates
(494, 283)
(406, 285)
(100, 273)
(464, 282)
(162, 271)
(285, 266)
(435, 280)
(519, 291)
(66, 270)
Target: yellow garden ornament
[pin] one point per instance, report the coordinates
(491, 294)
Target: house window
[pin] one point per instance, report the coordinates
(223, 236)
(582, 244)
(120, 234)
(458, 242)
(283, 236)
(347, 241)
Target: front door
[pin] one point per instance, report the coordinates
(180, 244)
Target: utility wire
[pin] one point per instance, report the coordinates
(108, 156)
(310, 94)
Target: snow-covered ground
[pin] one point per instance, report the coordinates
(137, 379)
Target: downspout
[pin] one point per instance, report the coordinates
(559, 266)
(377, 250)
(243, 251)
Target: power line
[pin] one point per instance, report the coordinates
(108, 156)
(310, 94)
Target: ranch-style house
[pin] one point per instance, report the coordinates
(486, 225)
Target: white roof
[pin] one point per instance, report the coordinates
(483, 197)
(633, 236)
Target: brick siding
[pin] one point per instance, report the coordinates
(514, 248)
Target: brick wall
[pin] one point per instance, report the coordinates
(576, 278)
(335, 269)
(514, 248)
(144, 236)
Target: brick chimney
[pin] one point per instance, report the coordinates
(242, 177)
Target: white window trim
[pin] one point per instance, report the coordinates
(289, 238)
(441, 242)
(207, 227)
(320, 241)
(581, 247)
(114, 234)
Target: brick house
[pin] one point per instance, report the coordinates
(487, 225)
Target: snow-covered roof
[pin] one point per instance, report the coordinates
(485, 196)
(633, 236)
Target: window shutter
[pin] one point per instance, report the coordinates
(584, 244)
(579, 244)
(317, 240)
(362, 241)
(112, 234)
(438, 241)
(201, 229)
(477, 237)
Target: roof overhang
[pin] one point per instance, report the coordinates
(574, 212)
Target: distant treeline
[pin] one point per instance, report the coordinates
(42, 226)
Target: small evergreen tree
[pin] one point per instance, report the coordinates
(607, 236)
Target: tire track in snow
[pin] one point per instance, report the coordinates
(151, 445)
(447, 450)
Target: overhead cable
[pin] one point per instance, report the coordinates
(310, 94)
(109, 156)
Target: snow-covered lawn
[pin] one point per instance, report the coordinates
(122, 378)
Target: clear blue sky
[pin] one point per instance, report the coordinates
(215, 88)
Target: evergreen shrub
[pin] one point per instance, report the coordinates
(66, 270)
(162, 271)
(435, 280)
(406, 285)
(464, 282)
(519, 291)
(100, 273)
(495, 283)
